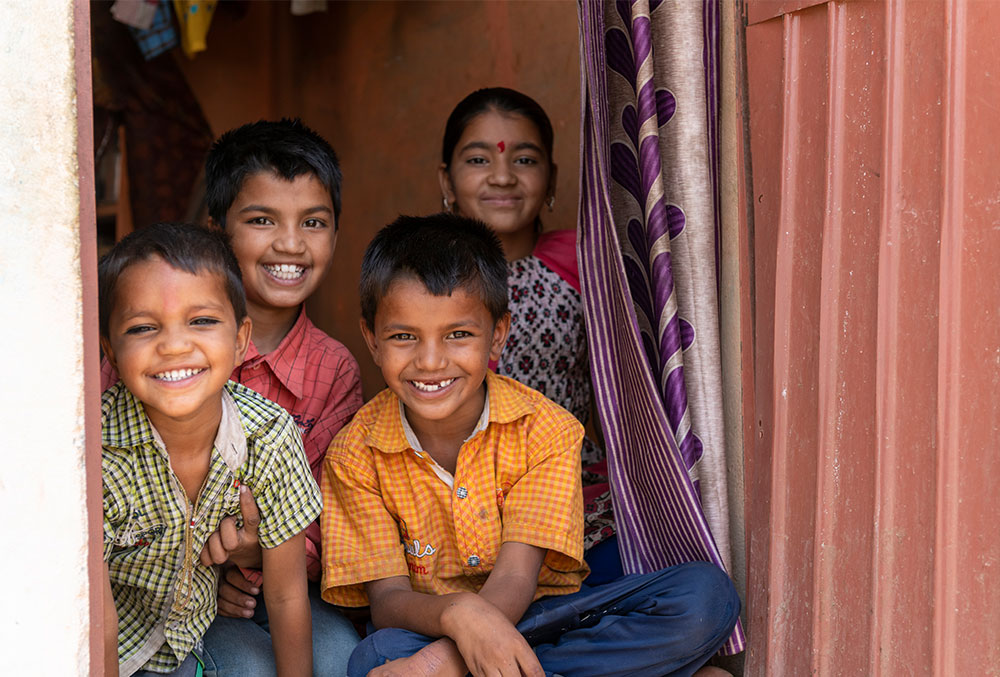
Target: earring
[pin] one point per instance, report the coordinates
(447, 205)
(551, 202)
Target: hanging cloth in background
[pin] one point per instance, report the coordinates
(194, 18)
(167, 133)
(159, 37)
(136, 13)
(300, 7)
(647, 252)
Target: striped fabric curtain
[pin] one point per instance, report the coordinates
(648, 258)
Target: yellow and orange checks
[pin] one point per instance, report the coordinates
(390, 510)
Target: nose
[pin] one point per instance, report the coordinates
(501, 173)
(430, 356)
(174, 341)
(289, 239)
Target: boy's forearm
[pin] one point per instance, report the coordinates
(511, 585)
(286, 595)
(291, 633)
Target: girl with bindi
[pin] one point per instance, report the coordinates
(496, 166)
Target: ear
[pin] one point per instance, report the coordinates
(108, 353)
(553, 176)
(213, 224)
(444, 180)
(243, 340)
(500, 331)
(371, 342)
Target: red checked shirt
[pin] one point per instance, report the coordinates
(315, 379)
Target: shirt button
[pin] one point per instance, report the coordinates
(473, 561)
(461, 492)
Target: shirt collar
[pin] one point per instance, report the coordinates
(288, 360)
(126, 425)
(390, 432)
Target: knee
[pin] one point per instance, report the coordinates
(713, 604)
(383, 646)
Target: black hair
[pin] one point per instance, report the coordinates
(502, 100)
(286, 147)
(183, 246)
(444, 251)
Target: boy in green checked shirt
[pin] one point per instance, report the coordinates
(181, 443)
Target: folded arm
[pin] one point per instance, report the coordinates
(477, 630)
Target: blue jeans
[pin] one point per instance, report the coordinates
(668, 622)
(241, 647)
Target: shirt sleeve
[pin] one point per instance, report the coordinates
(343, 402)
(360, 537)
(544, 508)
(286, 492)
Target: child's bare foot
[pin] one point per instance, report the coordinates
(712, 671)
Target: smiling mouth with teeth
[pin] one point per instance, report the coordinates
(177, 374)
(285, 271)
(432, 386)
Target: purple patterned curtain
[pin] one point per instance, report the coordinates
(648, 257)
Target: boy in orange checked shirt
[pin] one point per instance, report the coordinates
(452, 501)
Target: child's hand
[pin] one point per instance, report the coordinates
(239, 546)
(236, 594)
(488, 641)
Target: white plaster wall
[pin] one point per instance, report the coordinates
(44, 612)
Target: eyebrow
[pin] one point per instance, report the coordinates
(271, 210)
(451, 327)
(482, 145)
(131, 314)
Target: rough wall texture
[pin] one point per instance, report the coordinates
(42, 477)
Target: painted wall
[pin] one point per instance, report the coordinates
(872, 483)
(378, 80)
(46, 609)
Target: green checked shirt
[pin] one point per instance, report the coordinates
(153, 535)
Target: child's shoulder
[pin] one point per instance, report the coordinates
(323, 344)
(513, 399)
(258, 415)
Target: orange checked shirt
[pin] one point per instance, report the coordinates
(391, 510)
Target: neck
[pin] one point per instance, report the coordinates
(270, 325)
(443, 439)
(189, 438)
(518, 244)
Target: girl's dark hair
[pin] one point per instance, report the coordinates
(502, 100)
(445, 252)
(183, 246)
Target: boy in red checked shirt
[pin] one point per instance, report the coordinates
(274, 188)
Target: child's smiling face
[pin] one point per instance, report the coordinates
(434, 352)
(499, 172)
(283, 234)
(174, 339)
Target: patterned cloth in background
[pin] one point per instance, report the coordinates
(316, 380)
(161, 35)
(166, 134)
(517, 479)
(165, 598)
(547, 351)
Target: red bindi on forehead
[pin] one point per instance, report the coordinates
(501, 146)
